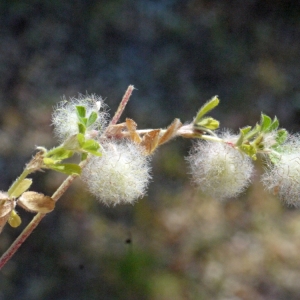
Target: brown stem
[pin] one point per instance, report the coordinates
(122, 105)
(20, 239)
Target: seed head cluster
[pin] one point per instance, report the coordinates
(282, 176)
(120, 175)
(219, 170)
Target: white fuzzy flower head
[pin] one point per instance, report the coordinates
(220, 170)
(120, 175)
(283, 176)
(65, 119)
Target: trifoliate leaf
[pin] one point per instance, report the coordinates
(36, 202)
(21, 188)
(91, 145)
(81, 139)
(258, 141)
(274, 158)
(245, 130)
(81, 111)
(207, 107)
(81, 128)
(58, 154)
(70, 169)
(49, 161)
(84, 156)
(14, 220)
(96, 153)
(92, 119)
(71, 143)
(274, 124)
(253, 132)
(281, 137)
(209, 123)
(250, 150)
(265, 122)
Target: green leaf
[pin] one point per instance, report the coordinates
(274, 124)
(23, 186)
(274, 158)
(71, 143)
(84, 156)
(14, 220)
(92, 119)
(253, 132)
(49, 161)
(208, 106)
(81, 111)
(81, 128)
(69, 169)
(84, 121)
(96, 153)
(281, 137)
(249, 150)
(91, 145)
(81, 139)
(240, 140)
(258, 141)
(59, 153)
(245, 130)
(209, 123)
(265, 122)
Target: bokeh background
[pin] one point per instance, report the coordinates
(175, 243)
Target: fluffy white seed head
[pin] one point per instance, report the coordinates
(65, 120)
(282, 176)
(220, 170)
(120, 175)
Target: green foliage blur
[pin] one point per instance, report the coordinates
(175, 243)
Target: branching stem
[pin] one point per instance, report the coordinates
(58, 193)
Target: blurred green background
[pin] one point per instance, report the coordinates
(175, 243)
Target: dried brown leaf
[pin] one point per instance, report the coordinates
(3, 221)
(170, 132)
(150, 141)
(131, 126)
(36, 202)
(115, 130)
(6, 206)
(37, 162)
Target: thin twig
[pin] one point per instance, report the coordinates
(122, 105)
